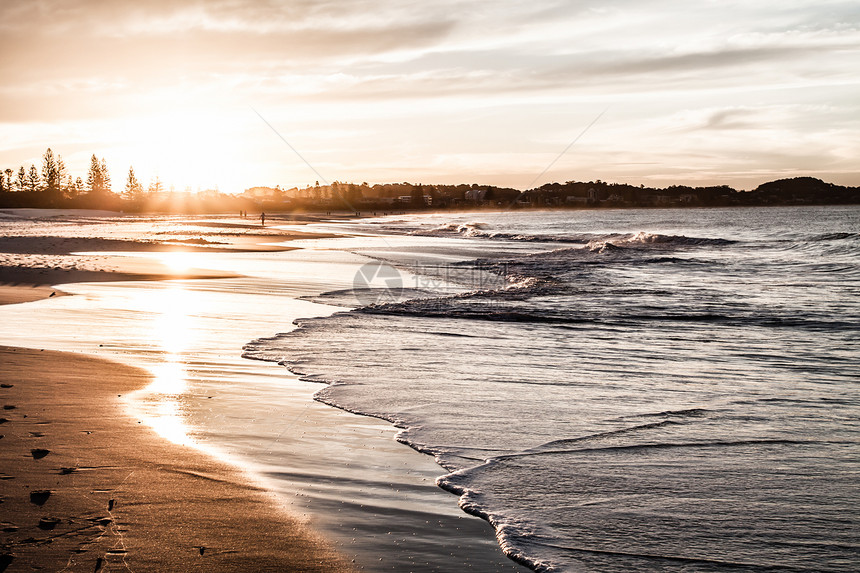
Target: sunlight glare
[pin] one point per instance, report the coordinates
(170, 378)
(188, 148)
(179, 261)
(172, 331)
(172, 326)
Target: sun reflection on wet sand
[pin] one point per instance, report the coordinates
(172, 331)
(170, 378)
(177, 260)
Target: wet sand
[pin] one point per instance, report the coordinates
(84, 486)
(16, 294)
(35, 259)
(32, 262)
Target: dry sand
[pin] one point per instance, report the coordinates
(85, 487)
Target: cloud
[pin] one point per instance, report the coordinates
(735, 118)
(467, 75)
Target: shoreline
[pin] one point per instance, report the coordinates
(382, 503)
(20, 293)
(117, 492)
(85, 485)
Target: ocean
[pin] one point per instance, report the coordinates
(606, 390)
(614, 390)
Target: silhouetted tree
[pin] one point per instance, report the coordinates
(49, 171)
(53, 171)
(10, 183)
(61, 170)
(33, 179)
(69, 186)
(21, 182)
(105, 176)
(98, 177)
(155, 185)
(133, 188)
(94, 176)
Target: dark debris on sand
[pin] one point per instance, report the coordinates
(39, 453)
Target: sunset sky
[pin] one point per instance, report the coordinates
(703, 92)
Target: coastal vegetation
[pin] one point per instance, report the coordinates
(54, 187)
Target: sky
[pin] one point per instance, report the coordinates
(231, 94)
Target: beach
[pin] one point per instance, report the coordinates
(85, 487)
(552, 390)
(181, 322)
(117, 495)
(502, 287)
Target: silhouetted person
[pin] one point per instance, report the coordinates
(263, 219)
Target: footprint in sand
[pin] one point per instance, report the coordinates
(40, 496)
(39, 453)
(48, 523)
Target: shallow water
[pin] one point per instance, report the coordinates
(618, 390)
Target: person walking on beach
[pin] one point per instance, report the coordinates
(263, 219)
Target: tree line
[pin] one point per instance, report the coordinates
(55, 186)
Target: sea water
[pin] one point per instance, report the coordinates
(616, 390)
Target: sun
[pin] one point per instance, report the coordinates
(187, 150)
